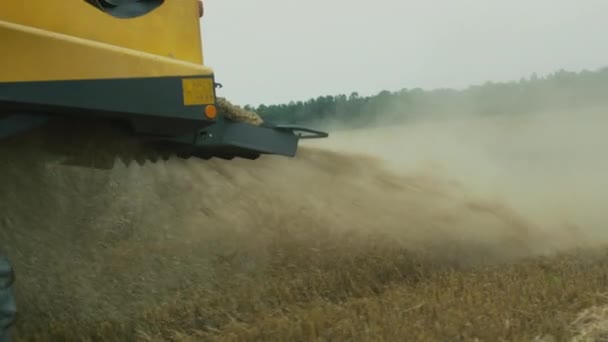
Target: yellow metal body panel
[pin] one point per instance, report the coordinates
(70, 39)
(172, 30)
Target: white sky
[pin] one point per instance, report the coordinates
(274, 51)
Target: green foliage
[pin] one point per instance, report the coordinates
(559, 90)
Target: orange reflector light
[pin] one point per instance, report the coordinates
(211, 112)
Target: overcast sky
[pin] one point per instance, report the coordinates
(274, 51)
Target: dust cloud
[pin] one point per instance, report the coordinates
(89, 244)
(545, 167)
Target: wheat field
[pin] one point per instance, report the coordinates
(467, 230)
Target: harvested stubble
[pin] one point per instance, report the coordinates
(382, 296)
(323, 247)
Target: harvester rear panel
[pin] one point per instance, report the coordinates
(87, 82)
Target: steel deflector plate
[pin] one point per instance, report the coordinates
(252, 138)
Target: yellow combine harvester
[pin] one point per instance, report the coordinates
(92, 81)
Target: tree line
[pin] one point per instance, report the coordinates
(560, 90)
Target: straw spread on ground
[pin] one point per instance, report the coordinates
(331, 245)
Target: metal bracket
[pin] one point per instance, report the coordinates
(302, 132)
(239, 139)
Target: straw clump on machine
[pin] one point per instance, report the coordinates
(236, 113)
